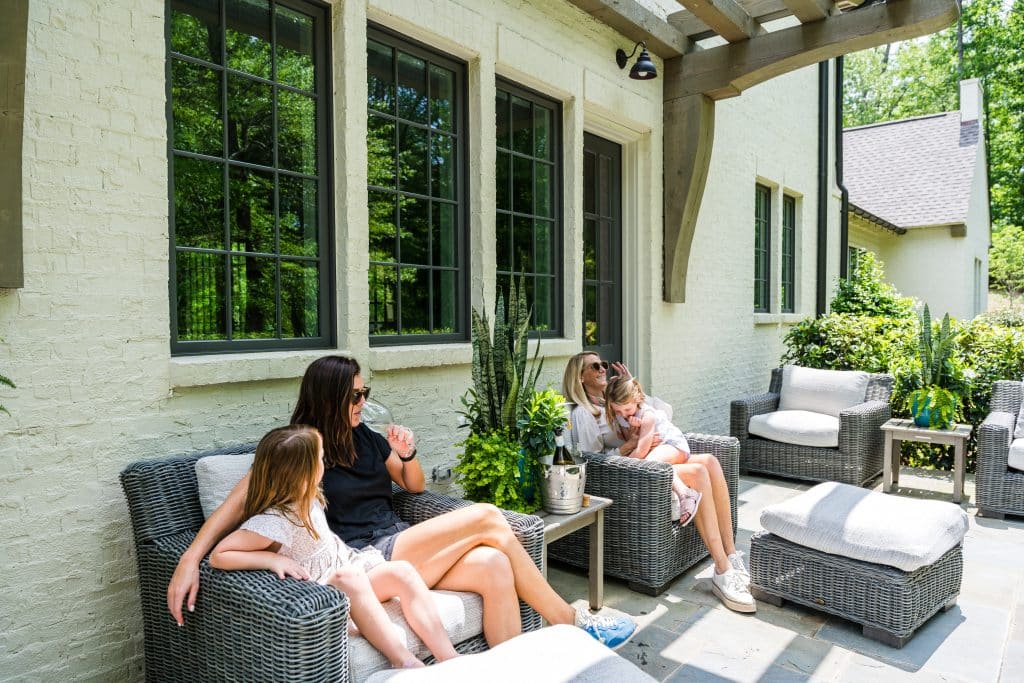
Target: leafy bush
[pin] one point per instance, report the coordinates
(850, 342)
(1007, 317)
(867, 293)
(488, 471)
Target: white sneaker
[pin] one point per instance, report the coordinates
(732, 590)
(736, 560)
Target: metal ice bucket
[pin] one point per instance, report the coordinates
(562, 486)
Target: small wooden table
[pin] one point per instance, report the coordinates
(592, 515)
(898, 430)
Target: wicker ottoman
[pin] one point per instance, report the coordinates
(885, 562)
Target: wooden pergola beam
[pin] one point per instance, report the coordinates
(637, 23)
(694, 28)
(727, 70)
(727, 18)
(811, 10)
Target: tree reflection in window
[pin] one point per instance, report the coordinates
(250, 204)
(528, 211)
(414, 127)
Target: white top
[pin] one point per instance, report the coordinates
(320, 557)
(593, 434)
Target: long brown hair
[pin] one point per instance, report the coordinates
(325, 402)
(284, 473)
(623, 391)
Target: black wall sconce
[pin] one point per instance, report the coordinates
(643, 69)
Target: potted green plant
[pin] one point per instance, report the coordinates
(503, 386)
(932, 404)
(542, 413)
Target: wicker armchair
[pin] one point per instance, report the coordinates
(250, 625)
(857, 460)
(642, 545)
(999, 490)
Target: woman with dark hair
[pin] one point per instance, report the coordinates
(470, 549)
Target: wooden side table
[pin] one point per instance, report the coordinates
(898, 430)
(591, 515)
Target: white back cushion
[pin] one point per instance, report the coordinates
(217, 475)
(1018, 433)
(821, 391)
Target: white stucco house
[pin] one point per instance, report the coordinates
(918, 193)
(199, 197)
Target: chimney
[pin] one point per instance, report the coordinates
(970, 100)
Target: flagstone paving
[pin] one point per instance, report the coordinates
(685, 634)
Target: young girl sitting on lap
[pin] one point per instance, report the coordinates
(626, 412)
(286, 532)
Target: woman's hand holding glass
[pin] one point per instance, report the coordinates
(401, 441)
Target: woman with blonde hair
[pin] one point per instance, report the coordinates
(584, 383)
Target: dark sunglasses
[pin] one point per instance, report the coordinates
(597, 365)
(360, 394)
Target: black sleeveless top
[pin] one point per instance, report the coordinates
(359, 501)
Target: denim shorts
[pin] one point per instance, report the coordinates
(384, 539)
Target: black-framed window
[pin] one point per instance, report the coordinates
(416, 151)
(853, 255)
(788, 284)
(762, 247)
(248, 112)
(528, 175)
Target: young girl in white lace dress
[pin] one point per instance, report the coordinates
(626, 411)
(286, 532)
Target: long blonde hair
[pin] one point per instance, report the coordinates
(572, 382)
(622, 391)
(284, 475)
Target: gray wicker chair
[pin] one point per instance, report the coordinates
(250, 625)
(642, 545)
(857, 460)
(999, 490)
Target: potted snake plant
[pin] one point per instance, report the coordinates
(932, 404)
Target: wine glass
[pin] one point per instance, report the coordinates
(377, 417)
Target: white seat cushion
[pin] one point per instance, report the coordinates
(1018, 433)
(821, 391)
(800, 427)
(1016, 458)
(461, 614)
(555, 653)
(840, 519)
(216, 475)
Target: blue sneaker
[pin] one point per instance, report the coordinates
(612, 631)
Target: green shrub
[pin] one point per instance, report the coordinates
(850, 342)
(867, 293)
(488, 471)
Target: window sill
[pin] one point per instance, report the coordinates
(384, 358)
(777, 318)
(228, 368)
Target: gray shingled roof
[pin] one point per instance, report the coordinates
(912, 173)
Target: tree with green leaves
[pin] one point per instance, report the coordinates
(1006, 261)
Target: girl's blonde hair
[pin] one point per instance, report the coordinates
(622, 391)
(284, 475)
(572, 382)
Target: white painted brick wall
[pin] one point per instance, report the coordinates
(87, 338)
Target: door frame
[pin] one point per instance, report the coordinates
(635, 352)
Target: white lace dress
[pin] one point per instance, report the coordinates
(320, 557)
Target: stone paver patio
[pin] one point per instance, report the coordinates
(685, 634)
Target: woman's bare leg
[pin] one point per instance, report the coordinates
(436, 545)
(722, 501)
(371, 619)
(695, 475)
(501, 604)
(400, 580)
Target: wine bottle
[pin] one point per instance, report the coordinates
(562, 455)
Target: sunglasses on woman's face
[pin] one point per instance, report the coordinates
(360, 394)
(597, 366)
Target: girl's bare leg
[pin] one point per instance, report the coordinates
(398, 579)
(673, 456)
(371, 619)
(695, 475)
(436, 546)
